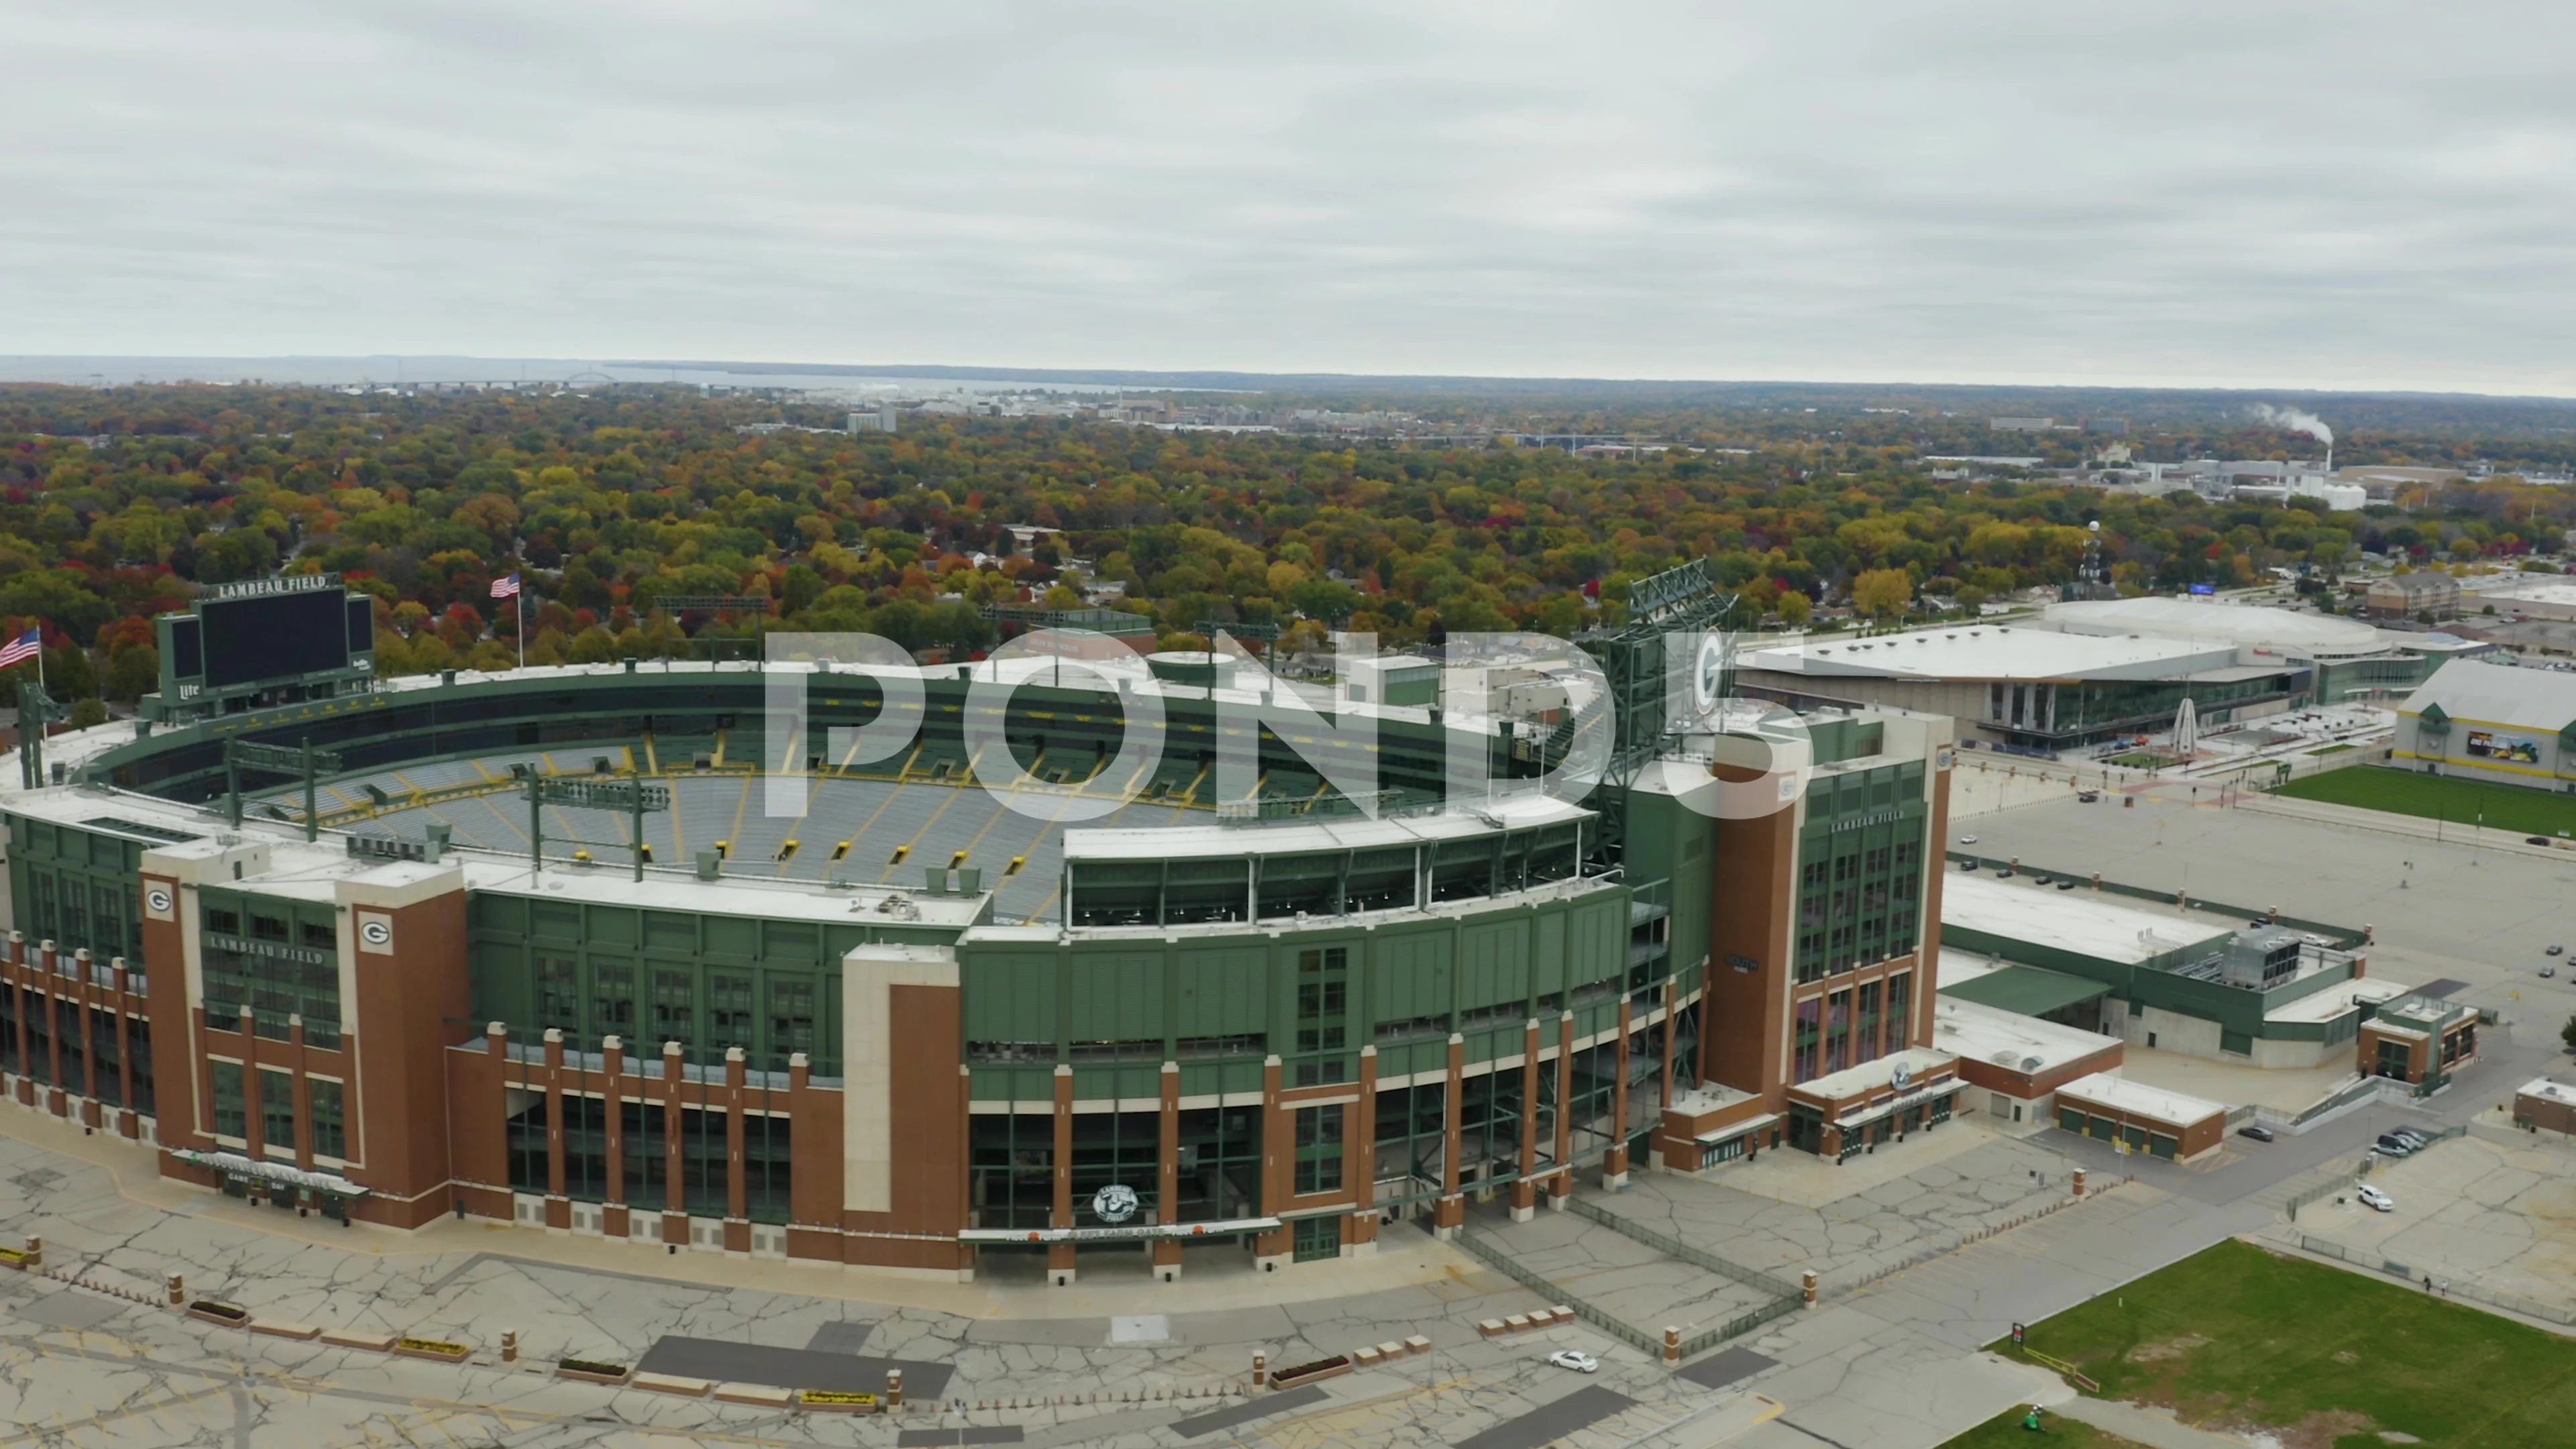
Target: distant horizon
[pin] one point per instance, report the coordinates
(327, 368)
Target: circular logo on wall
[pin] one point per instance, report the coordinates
(376, 933)
(1708, 673)
(1115, 1203)
(1901, 1078)
(157, 898)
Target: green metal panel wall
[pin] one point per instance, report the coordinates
(1139, 1001)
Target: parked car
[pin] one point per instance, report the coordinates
(2413, 1137)
(2392, 1145)
(2004, 871)
(2088, 796)
(2376, 1200)
(2039, 880)
(2255, 1130)
(1967, 840)
(2066, 885)
(2546, 972)
(1575, 1359)
(2535, 840)
(2555, 949)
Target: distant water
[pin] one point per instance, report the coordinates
(348, 371)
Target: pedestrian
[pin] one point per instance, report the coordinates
(2428, 1282)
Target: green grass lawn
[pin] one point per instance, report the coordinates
(2056, 1433)
(2522, 810)
(2337, 748)
(2237, 1336)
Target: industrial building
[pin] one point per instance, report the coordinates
(2480, 721)
(2096, 670)
(2198, 983)
(535, 947)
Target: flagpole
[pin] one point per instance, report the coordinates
(521, 598)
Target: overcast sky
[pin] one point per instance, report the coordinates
(2354, 194)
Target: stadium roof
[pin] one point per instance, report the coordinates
(2476, 691)
(2241, 625)
(2006, 1039)
(1987, 652)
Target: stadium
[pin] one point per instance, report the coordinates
(688, 955)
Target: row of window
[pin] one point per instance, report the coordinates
(328, 1120)
(98, 1071)
(1848, 1027)
(645, 1158)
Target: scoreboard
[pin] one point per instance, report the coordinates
(304, 633)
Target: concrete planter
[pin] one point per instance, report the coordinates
(438, 1349)
(1311, 1373)
(837, 1401)
(612, 1374)
(205, 1311)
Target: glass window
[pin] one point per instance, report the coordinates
(675, 1001)
(232, 1114)
(644, 1156)
(279, 1112)
(767, 1167)
(613, 999)
(330, 1126)
(1319, 1149)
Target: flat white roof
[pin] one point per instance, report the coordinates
(2338, 999)
(2007, 1039)
(1959, 966)
(2529, 588)
(1991, 652)
(2302, 633)
(2084, 921)
(2113, 1090)
(2548, 1090)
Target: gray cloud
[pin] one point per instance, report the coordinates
(2288, 195)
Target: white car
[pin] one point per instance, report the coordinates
(1967, 840)
(2376, 1200)
(1575, 1359)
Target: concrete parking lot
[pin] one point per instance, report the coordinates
(2491, 1220)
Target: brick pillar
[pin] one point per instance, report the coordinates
(1276, 1248)
(54, 1035)
(301, 1087)
(612, 1053)
(1167, 1178)
(737, 1228)
(493, 1116)
(1450, 1213)
(1359, 1156)
(254, 1128)
(1672, 1008)
(127, 1124)
(675, 1212)
(1614, 1163)
(1561, 1187)
(558, 1206)
(89, 1045)
(1060, 1255)
(18, 999)
(1524, 1191)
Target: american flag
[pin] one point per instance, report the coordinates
(506, 588)
(22, 648)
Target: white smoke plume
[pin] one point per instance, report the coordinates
(2296, 421)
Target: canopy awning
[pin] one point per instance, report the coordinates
(234, 1164)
